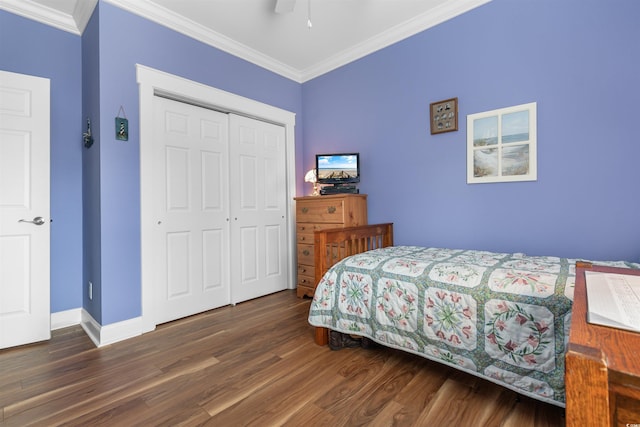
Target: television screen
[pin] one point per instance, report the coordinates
(338, 168)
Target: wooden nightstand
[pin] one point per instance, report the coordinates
(602, 366)
(321, 213)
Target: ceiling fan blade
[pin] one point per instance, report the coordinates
(285, 6)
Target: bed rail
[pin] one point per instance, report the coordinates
(335, 244)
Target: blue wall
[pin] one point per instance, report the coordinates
(579, 60)
(30, 48)
(92, 239)
(125, 40)
(92, 76)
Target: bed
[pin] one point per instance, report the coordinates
(503, 317)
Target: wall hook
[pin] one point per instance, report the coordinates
(86, 136)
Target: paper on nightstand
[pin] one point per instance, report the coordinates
(613, 300)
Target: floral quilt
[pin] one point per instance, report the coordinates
(503, 317)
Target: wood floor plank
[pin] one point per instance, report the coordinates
(311, 416)
(530, 413)
(275, 403)
(461, 398)
(393, 414)
(417, 395)
(392, 378)
(361, 368)
(250, 364)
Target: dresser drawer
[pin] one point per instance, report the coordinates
(306, 270)
(306, 279)
(305, 254)
(304, 231)
(323, 211)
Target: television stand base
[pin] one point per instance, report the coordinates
(339, 189)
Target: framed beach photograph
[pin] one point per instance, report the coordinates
(501, 145)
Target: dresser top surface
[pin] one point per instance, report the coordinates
(330, 196)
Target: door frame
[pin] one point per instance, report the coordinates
(152, 83)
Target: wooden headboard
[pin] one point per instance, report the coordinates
(335, 244)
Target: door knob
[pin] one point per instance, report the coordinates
(37, 220)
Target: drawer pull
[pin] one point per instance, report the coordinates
(331, 209)
(306, 252)
(302, 238)
(305, 210)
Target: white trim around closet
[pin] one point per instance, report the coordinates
(154, 82)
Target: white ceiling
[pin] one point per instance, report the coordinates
(342, 30)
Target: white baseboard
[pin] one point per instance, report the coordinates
(109, 334)
(100, 335)
(64, 319)
(91, 327)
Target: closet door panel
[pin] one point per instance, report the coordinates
(248, 256)
(213, 248)
(212, 180)
(258, 181)
(191, 210)
(247, 183)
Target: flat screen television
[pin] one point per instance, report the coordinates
(338, 169)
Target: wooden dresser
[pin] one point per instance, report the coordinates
(602, 366)
(321, 213)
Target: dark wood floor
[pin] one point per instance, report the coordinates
(252, 364)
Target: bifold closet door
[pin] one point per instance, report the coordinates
(220, 218)
(191, 197)
(258, 208)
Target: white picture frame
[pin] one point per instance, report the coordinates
(502, 145)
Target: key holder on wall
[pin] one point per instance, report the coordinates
(122, 126)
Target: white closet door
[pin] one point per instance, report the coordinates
(24, 209)
(258, 208)
(191, 250)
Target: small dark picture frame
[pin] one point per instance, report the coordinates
(444, 116)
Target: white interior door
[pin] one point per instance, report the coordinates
(24, 210)
(258, 208)
(191, 250)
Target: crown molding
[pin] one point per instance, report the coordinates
(395, 34)
(82, 13)
(74, 24)
(77, 22)
(165, 17)
(160, 15)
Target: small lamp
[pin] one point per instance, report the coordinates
(311, 177)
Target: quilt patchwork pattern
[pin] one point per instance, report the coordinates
(503, 317)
